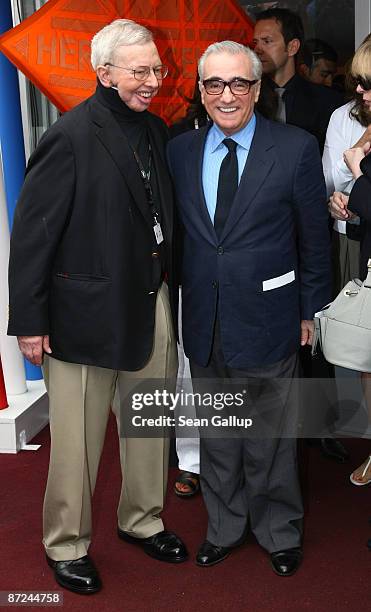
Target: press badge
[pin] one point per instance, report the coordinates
(158, 233)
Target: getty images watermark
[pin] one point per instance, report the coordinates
(249, 408)
(181, 401)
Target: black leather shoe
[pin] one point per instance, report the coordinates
(209, 554)
(78, 575)
(164, 546)
(333, 449)
(286, 562)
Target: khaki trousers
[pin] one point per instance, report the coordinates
(80, 397)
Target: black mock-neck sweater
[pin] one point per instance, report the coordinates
(132, 123)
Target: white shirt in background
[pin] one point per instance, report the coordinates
(342, 133)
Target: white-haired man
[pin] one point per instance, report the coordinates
(90, 249)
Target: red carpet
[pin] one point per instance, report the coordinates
(335, 574)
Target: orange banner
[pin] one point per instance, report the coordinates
(52, 47)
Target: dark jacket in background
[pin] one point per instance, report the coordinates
(360, 203)
(310, 106)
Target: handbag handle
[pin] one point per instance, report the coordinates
(367, 283)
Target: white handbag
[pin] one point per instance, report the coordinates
(343, 328)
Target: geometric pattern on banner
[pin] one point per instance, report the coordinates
(52, 46)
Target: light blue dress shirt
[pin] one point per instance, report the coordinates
(214, 153)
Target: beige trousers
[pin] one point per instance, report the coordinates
(80, 397)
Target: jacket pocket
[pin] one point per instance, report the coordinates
(82, 277)
(80, 317)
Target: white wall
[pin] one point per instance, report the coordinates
(362, 20)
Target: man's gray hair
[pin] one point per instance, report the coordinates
(118, 33)
(234, 48)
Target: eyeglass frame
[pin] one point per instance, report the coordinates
(148, 68)
(229, 83)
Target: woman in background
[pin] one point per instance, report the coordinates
(349, 126)
(358, 164)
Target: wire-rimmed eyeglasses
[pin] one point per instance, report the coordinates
(142, 72)
(239, 87)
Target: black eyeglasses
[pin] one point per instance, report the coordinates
(364, 83)
(142, 72)
(239, 87)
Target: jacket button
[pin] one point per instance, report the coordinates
(155, 254)
(214, 284)
(220, 250)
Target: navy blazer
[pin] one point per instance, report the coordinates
(271, 268)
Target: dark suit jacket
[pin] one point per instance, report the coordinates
(277, 226)
(81, 262)
(360, 203)
(310, 106)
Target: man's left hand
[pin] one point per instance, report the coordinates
(307, 331)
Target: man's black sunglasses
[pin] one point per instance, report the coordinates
(238, 86)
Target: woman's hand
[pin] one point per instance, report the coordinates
(354, 156)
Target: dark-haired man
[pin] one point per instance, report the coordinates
(278, 36)
(318, 62)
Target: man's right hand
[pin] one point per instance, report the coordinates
(338, 206)
(33, 348)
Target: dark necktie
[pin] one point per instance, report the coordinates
(227, 186)
(281, 109)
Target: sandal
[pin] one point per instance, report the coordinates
(359, 483)
(188, 479)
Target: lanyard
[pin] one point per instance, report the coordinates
(146, 177)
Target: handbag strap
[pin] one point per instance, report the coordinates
(317, 338)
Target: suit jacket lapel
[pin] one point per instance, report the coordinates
(112, 138)
(258, 165)
(194, 175)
